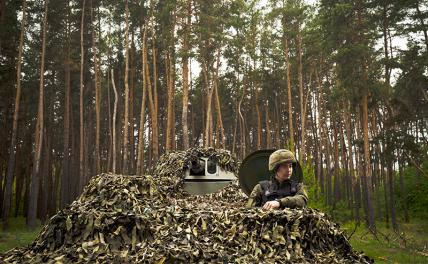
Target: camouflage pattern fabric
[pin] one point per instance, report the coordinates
(280, 156)
(150, 219)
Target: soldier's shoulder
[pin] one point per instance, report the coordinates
(300, 185)
(257, 188)
(264, 182)
(295, 182)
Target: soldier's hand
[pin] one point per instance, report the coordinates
(271, 205)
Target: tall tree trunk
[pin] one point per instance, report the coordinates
(52, 205)
(20, 179)
(152, 94)
(65, 176)
(328, 174)
(336, 183)
(218, 107)
(376, 166)
(385, 190)
(114, 122)
(348, 129)
(242, 123)
(277, 119)
(82, 143)
(88, 165)
(74, 157)
(49, 159)
(126, 116)
(7, 199)
(268, 137)
(170, 104)
(97, 95)
(203, 107)
(302, 155)
(385, 41)
(392, 194)
(346, 173)
(403, 190)
(325, 142)
(235, 127)
(320, 131)
(34, 191)
(259, 118)
(45, 171)
(141, 132)
(149, 139)
(174, 140)
(109, 119)
(359, 153)
(208, 118)
(361, 162)
(153, 118)
(27, 190)
(131, 108)
(155, 101)
(192, 112)
(290, 108)
(316, 145)
(367, 176)
(185, 61)
(170, 69)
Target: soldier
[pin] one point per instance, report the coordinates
(280, 191)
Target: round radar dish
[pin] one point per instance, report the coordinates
(255, 169)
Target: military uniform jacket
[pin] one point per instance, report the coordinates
(289, 194)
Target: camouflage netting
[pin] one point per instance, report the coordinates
(150, 219)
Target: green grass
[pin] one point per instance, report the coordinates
(17, 235)
(409, 245)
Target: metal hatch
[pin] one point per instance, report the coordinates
(255, 168)
(206, 176)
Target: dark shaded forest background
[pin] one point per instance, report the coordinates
(94, 86)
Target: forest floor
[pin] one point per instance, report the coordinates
(408, 245)
(388, 247)
(17, 235)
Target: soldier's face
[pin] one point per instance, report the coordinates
(284, 171)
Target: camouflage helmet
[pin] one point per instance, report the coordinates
(280, 156)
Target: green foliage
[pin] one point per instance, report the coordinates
(406, 246)
(309, 179)
(414, 197)
(416, 186)
(411, 88)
